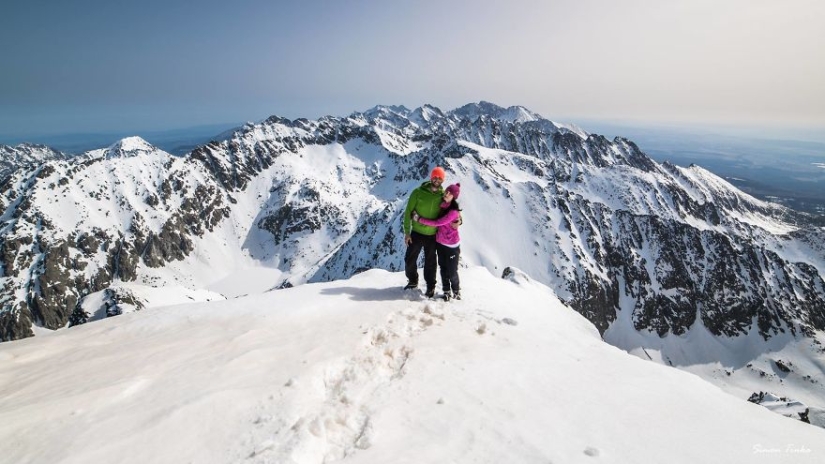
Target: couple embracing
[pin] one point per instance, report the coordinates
(431, 221)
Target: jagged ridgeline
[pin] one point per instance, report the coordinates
(12, 158)
(612, 231)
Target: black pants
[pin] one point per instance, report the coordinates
(448, 263)
(419, 242)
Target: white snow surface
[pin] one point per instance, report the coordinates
(356, 371)
(148, 297)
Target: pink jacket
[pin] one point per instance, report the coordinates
(446, 234)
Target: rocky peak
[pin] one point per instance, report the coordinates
(512, 114)
(130, 147)
(33, 151)
(388, 117)
(379, 111)
(26, 154)
(425, 115)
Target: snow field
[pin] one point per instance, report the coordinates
(357, 371)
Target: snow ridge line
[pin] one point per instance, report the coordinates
(347, 392)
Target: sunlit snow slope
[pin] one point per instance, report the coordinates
(354, 371)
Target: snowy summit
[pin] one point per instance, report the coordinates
(353, 371)
(128, 147)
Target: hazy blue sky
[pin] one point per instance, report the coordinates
(92, 66)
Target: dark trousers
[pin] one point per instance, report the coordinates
(419, 242)
(448, 263)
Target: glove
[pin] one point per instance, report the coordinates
(415, 216)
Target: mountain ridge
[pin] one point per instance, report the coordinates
(553, 152)
(26, 154)
(614, 233)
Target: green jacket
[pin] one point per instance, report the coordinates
(427, 203)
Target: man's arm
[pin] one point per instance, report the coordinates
(408, 212)
(407, 219)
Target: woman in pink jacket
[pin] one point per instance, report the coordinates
(447, 240)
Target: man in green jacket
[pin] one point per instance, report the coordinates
(426, 201)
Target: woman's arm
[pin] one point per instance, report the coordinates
(451, 216)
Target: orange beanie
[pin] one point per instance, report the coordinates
(438, 171)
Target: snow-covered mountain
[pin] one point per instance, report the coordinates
(351, 371)
(25, 154)
(660, 258)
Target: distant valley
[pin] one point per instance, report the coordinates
(780, 170)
